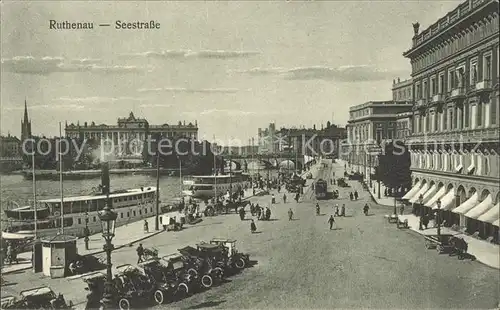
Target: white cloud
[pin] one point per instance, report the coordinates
(47, 106)
(204, 54)
(48, 65)
(99, 100)
(353, 73)
(188, 90)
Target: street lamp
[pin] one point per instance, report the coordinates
(420, 200)
(438, 217)
(108, 218)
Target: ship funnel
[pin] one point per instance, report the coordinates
(105, 178)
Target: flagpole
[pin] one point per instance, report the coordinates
(61, 179)
(215, 174)
(35, 217)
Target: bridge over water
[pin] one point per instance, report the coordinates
(290, 161)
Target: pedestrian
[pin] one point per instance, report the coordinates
(402, 209)
(140, 253)
(290, 214)
(253, 227)
(351, 196)
(284, 198)
(342, 211)
(356, 195)
(331, 221)
(146, 226)
(337, 210)
(273, 199)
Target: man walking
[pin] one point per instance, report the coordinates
(290, 214)
(331, 221)
(140, 253)
(356, 195)
(284, 198)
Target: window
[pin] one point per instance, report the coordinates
(433, 86)
(479, 114)
(418, 94)
(486, 166)
(473, 73)
(128, 214)
(425, 90)
(451, 79)
(121, 215)
(79, 221)
(466, 114)
(487, 68)
(134, 213)
(94, 219)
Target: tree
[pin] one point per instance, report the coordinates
(394, 167)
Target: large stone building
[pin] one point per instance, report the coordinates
(131, 130)
(312, 141)
(267, 140)
(455, 146)
(10, 147)
(369, 124)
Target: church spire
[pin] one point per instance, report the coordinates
(26, 120)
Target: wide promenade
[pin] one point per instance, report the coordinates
(364, 263)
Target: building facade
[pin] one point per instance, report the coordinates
(312, 141)
(10, 147)
(402, 91)
(369, 124)
(455, 135)
(130, 133)
(267, 140)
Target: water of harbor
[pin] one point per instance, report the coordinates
(19, 190)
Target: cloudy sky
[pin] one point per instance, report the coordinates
(232, 66)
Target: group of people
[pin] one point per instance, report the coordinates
(10, 254)
(353, 196)
(263, 214)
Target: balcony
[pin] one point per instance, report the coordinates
(457, 93)
(421, 102)
(464, 135)
(484, 85)
(437, 98)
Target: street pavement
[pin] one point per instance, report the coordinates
(364, 263)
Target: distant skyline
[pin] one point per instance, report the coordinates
(231, 66)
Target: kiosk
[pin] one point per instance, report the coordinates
(58, 252)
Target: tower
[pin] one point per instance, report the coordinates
(25, 124)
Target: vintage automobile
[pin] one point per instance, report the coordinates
(42, 298)
(95, 285)
(150, 253)
(175, 268)
(169, 285)
(10, 302)
(135, 287)
(204, 266)
(235, 259)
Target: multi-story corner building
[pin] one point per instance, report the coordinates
(455, 117)
(404, 123)
(10, 147)
(369, 124)
(130, 133)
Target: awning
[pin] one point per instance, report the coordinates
(447, 201)
(428, 194)
(496, 223)
(491, 215)
(481, 208)
(413, 190)
(471, 167)
(440, 193)
(459, 168)
(422, 190)
(467, 205)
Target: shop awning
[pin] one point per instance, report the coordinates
(496, 223)
(467, 205)
(481, 208)
(430, 193)
(447, 201)
(439, 195)
(412, 191)
(491, 215)
(421, 191)
(459, 168)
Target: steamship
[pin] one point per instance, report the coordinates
(209, 186)
(79, 212)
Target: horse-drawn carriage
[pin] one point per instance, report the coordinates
(36, 298)
(447, 243)
(149, 254)
(342, 183)
(199, 263)
(236, 259)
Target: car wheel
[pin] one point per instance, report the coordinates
(158, 296)
(192, 272)
(219, 272)
(240, 263)
(182, 290)
(124, 304)
(207, 281)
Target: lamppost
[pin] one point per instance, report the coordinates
(108, 218)
(420, 200)
(438, 217)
